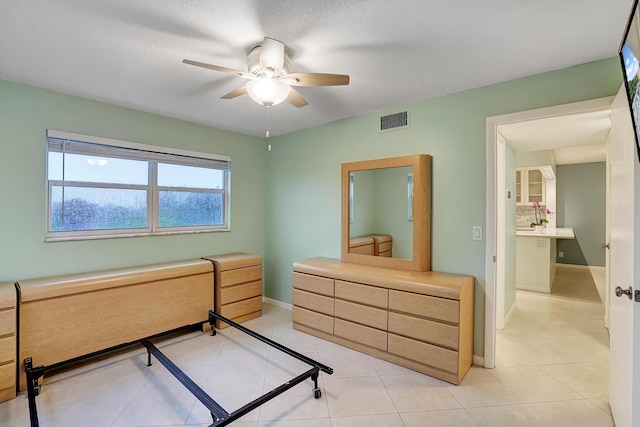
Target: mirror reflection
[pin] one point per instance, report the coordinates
(381, 212)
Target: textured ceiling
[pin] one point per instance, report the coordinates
(574, 138)
(397, 52)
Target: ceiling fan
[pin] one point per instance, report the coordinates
(270, 81)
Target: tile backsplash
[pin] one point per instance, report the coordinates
(525, 216)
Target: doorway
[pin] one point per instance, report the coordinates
(495, 221)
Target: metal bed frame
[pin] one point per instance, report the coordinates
(221, 417)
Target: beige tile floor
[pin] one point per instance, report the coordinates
(552, 370)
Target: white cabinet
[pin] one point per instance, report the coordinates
(535, 263)
(530, 186)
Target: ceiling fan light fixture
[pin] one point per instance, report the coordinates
(267, 91)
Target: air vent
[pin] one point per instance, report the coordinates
(394, 121)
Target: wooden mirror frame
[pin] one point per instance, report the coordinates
(421, 259)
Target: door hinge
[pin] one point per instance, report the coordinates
(494, 258)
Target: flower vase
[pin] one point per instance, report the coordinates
(539, 229)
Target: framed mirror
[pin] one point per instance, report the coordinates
(386, 212)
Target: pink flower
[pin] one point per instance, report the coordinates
(538, 211)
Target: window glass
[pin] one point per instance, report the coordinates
(97, 169)
(86, 208)
(170, 175)
(187, 209)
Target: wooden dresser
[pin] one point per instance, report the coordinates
(237, 286)
(8, 348)
(420, 320)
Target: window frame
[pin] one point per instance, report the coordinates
(152, 155)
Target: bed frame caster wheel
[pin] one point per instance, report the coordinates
(317, 393)
(213, 332)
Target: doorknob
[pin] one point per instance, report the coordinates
(605, 246)
(627, 292)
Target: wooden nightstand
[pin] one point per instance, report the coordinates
(237, 286)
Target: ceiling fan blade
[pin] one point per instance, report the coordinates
(317, 79)
(218, 68)
(271, 54)
(236, 92)
(296, 99)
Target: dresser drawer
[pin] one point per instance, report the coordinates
(7, 322)
(7, 381)
(312, 319)
(385, 247)
(315, 284)
(240, 292)
(365, 315)
(428, 354)
(241, 308)
(7, 350)
(361, 334)
(362, 294)
(425, 306)
(240, 275)
(424, 330)
(313, 302)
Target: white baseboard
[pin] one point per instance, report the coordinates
(478, 360)
(277, 303)
(580, 267)
(532, 289)
(510, 313)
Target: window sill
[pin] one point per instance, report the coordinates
(127, 235)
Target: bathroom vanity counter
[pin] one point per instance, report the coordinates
(553, 233)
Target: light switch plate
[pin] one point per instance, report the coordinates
(477, 232)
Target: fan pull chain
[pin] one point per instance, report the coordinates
(268, 120)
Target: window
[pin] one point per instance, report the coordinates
(99, 188)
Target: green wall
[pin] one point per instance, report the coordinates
(285, 203)
(25, 115)
(581, 203)
(303, 172)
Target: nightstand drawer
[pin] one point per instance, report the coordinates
(7, 322)
(240, 275)
(7, 381)
(237, 309)
(241, 292)
(7, 350)
(385, 247)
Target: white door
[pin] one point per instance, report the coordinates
(624, 396)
